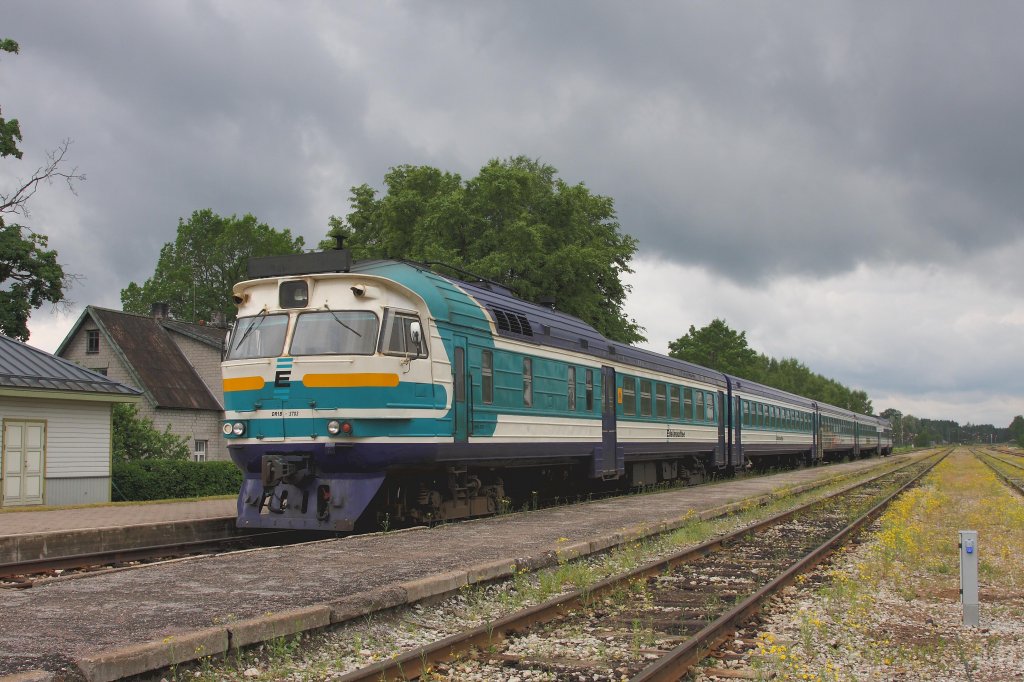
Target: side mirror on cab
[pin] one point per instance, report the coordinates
(416, 335)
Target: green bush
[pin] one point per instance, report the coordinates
(135, 437)
(164, 479)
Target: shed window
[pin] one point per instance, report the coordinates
(199, 451)
(92, 341)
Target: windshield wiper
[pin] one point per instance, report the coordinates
(262, 315)
(338, 320)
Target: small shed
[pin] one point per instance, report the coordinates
(55, 440)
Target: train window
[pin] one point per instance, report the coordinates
(746, 413)
(487, 376)
(711, 407)
(571, 381)
(661, 401)
(760, 414)
(261, 336)
(401, 336)
(590, 390)
(673, 399)
(645, 397)
(698, 405)
(629, 396)
(294, 294)
(335, 332)
(527, 382)
(687, 403)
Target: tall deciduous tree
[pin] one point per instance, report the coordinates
(717, 346)
(196, 271)
(29, 272)
(515, 223)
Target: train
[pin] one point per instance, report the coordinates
(385, 385)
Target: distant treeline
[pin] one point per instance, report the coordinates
(911, 430)
(717, 346)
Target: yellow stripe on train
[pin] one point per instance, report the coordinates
(381, 380)
(243, 384)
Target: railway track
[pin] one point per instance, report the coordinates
(659, 620)
(1009, 471)
(27, 574)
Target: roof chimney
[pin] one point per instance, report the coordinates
(161, 310)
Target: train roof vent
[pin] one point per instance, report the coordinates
(515, 323)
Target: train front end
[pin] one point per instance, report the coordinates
(327, 383)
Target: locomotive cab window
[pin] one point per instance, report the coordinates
(403, 335)
(335, 332)
(260, 336)
(294, 294)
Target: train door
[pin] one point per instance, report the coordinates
(721, 453)
(606, 460)
(816, 445)
(460, 389)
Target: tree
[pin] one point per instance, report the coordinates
(29, 272)
(717, 346)
(194, 273)
(895, 418)
(134, 437)
(515, 223)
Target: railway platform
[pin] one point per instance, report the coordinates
(126, 622)
(26, 535)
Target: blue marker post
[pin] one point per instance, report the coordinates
(969, 577)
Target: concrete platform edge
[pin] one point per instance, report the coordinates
(62, 544)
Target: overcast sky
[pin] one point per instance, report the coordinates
(843, 181)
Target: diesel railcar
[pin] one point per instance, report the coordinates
(433, 397)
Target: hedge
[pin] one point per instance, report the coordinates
(163, 479)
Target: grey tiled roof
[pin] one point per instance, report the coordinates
(22, 366)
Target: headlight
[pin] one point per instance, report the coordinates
(226, 428)
(334, 427)
(238, 428)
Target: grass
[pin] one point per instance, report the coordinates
(894, 602)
